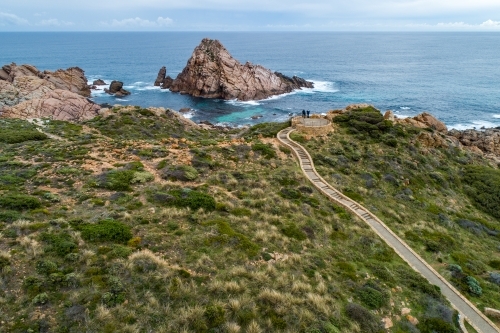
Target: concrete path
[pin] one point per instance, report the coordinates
(467, 310)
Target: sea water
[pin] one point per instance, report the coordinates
(455, 76)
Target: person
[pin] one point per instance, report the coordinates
(308, 113)
(303, 113)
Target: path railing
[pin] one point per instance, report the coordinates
(466, 309)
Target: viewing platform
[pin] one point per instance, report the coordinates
(316, 125)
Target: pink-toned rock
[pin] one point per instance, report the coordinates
(412, 320)
(23, 88)
(431, 122)
(389, 115)
(56, 104)
(212, 72)
(72, 79)
(387, 322)
(405, 311)
(432, 140)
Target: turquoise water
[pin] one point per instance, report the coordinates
(455, 76)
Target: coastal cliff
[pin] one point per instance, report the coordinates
(212, 72)
(26, 92)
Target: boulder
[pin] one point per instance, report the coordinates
(431, 122)
(116, 88)
(486, 141)
(22, 89)
(432, 140)
(98, 82)
(389, 115)
(56, 104)
(212, 72)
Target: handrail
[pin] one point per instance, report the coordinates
(364, 214)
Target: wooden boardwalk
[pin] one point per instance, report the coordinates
(466, 309)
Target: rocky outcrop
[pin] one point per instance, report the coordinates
(162, 80)
(212, 72)
(26, 92)
(425, 120)
(55, 104)
(486, 141)
(98, 82)
(116, 88)
(72, 79)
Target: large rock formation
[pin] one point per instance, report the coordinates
(212, 72)
(26, 92)
(56, 104)
(424, 120)
(487, 141)
(72, 79)
(162, 80)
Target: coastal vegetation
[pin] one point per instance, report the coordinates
(136, 222)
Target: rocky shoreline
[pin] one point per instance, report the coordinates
(27, 93)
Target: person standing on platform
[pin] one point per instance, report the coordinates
(303, 113)
(308, 113)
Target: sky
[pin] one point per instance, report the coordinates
(250, 15)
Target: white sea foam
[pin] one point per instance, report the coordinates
(323, 86)
(242, 103)
(405, 108)
(496, 116)
(476, 123)
(188, 115)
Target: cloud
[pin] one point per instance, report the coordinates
(486, 25)
(11, 19)
(138, 22)
(55, 23)
(490, 24)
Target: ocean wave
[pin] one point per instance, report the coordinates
(242, 103)
(474, 124)
(405, 108)
(188, 115)
(323, 86)
(496, 116)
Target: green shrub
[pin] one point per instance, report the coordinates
(494, 264)
(240, 211)
(431, 325)
(228, 235)
(186, 198)
(291, 230)
(116, 180)
(180, 172)
(265, 150)
(61, 243)
(105, 231)
(214, 315)
(366, 320)
(267, 130)
(142, 177)
(46, 267)
(483, 188)
(17, 201)
(40, 299)
(9, 216)
(372, 297)
(18, 136)
(473, 285)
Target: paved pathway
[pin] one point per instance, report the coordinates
(479, 321)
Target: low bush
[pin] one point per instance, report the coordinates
(483, 188)
(116, 180)
(17, 201)
(185, 198)
(431, 325)
(18, 136)
(372, 296)
(267, 130)
(265, 150)
(105, 231)
(291, 230)
(366, 320)
(228, 235)
(180, 172)
(61, 243)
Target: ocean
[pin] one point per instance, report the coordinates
(454, 76)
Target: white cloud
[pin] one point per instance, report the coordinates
(55, 23)
(490, 24)
(11, 19)
(138, 22)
